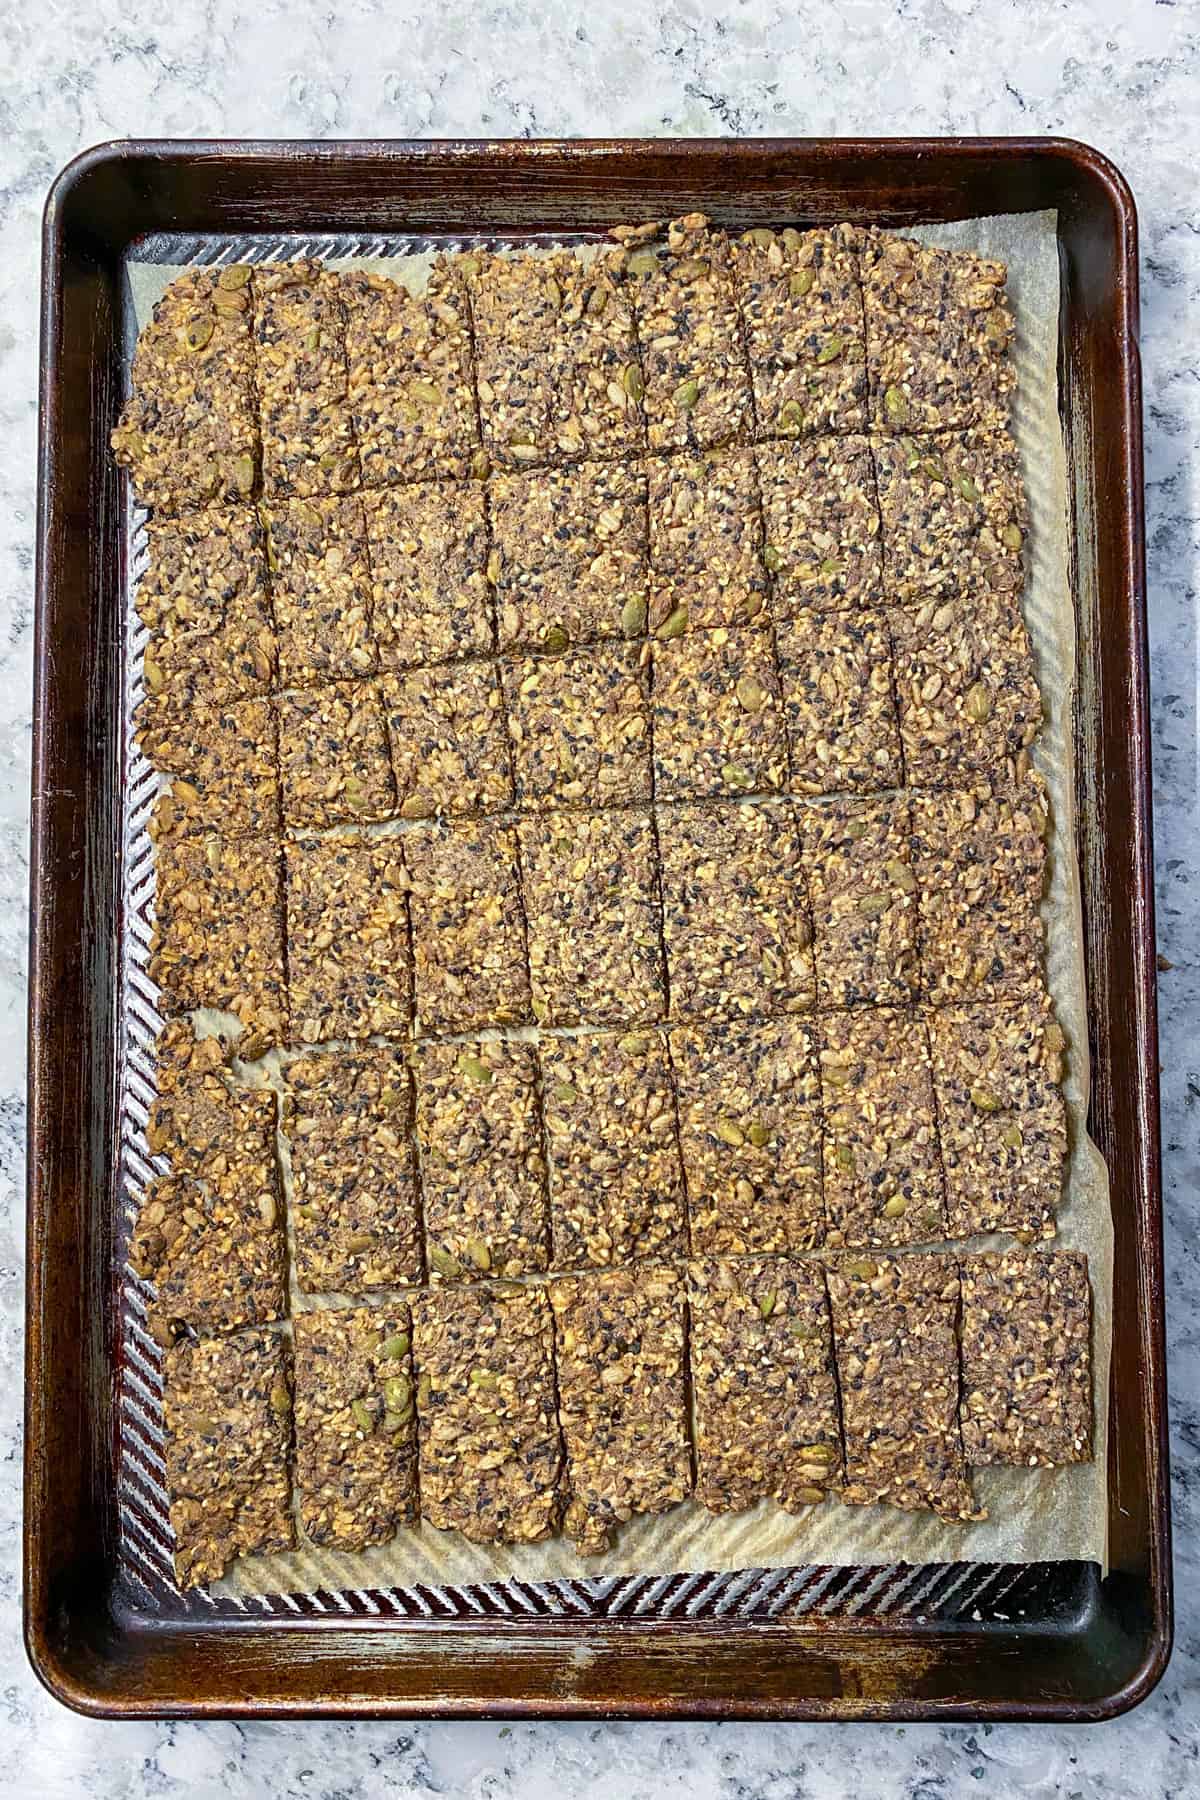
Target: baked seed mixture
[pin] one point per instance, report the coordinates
(356, 1434)
(599, 857)
(763, 1386)
(619, 1343)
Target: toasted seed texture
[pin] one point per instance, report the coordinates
(1026, 1356)
(619, 1339)
(356, 1432)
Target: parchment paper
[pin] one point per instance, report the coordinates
(1035, 1516)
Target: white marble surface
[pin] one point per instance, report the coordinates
(1124, 76)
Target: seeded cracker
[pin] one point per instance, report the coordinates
(222, 762)
(308, 443)
(801, 300)
(996, 1075)
(821, 522)
(749, 1127)
(409, 377)
(883, 1170)
(333, 752)
(228, 1404)
(347, 1119)
(697, 388)
(616, 1180)
(558, 370)
(210, 1235)
(965, 686)
(568, 556)
(897, 1363)
(591, 899)
(490, 1456)
(348, 959)
(838, 703)
(428, 554)
(356, 1435)
(938, 329)
(468, 928)
(483, 1174)
(1026, 1353)
(218, 933)
(864, 901)
(450, 749)
(580, 727)
(621, 1395)
(204, 601)
(954, 515)
(706, 541)
(735, 916)
(763, 1389)
(188, 434)
(980, 860)
(321, 587)
(718, 724)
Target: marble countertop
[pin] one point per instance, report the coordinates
(1125, 78)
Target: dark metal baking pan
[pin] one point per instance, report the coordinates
(105, 1628)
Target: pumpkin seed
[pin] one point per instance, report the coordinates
(565, 1093)
(751, 693)
(686, 395)
(984, 1099)
(631, 381)
(895, 405)
(790, 416)
(896, 1207)
(397, 1393)
(394, 1346)
(281, 1399)
(766, 1304)
(773, 557)
(675, 623)
(642, 262)
(478, 1252)
(730, 1133)
(483, 1378)
(978, 703)
(758, 1133)
(444, 1262)
(901, 875)
(556, 639)
(234, 277)
(761, 235)
(363, 1417)
(197, 334)
(481, 465)
(830, 350)
(1011, 536)
(1011, 1137)
(800, 283)
(633, 616)
(473, 1069)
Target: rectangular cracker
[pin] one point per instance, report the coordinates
(706, 539)
(489, 1453)
(308, 445)
(821, 526)
(189, 433)
(996, 1075)
(736, 927)
(428, 547)
(864, 903)
(954, 515)
(580, 727)
(483, 1172)
(882, 1160)
(763, 1390)
(835, 671)
(204, 601)
(801, 301)
(718, 721)
(449, 742)
(616, 1180)
(568, 556)
(334, 759)
(228, 1409)
(965, 686)
(347, 1121)
(749, 1128)
(356, 1433)
(410, 378)
(349, 971)
(558, 371)
(222, 764)
(591, 900)
(468, 927)
(1027, 1358)
(321, 589)
(938, 331)
(895, 1341)
(216, 1259)
(697, 386)
(619, 1339)
(210, 1236)
(979, 856)
(218, 933)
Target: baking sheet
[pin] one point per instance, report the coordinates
(1035, 1516)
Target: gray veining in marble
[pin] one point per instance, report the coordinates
(1122, 74)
